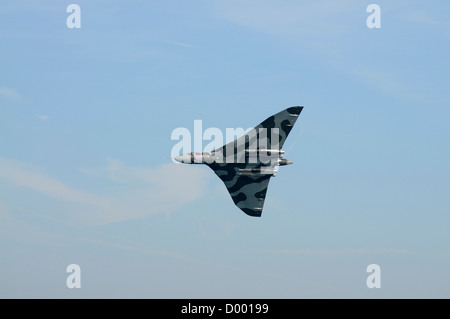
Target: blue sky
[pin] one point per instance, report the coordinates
(86, 117)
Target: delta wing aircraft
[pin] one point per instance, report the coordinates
(246, 164)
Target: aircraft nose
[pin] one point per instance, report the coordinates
(184, 158)
(179, 158)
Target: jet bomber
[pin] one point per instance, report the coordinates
(246, 164)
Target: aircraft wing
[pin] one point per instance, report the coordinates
(279, 124)
(247, 184)
(247, 180)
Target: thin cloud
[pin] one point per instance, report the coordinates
(388, 82)
(135, 246)
(148, 191)
(5, 215)
(43, 117)
(24, 175)
(228, 228)
(420, 18)
(291, 18)
(323, 28)
(341, 252)
(180, 44)
(133, 192)
(9, 93)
